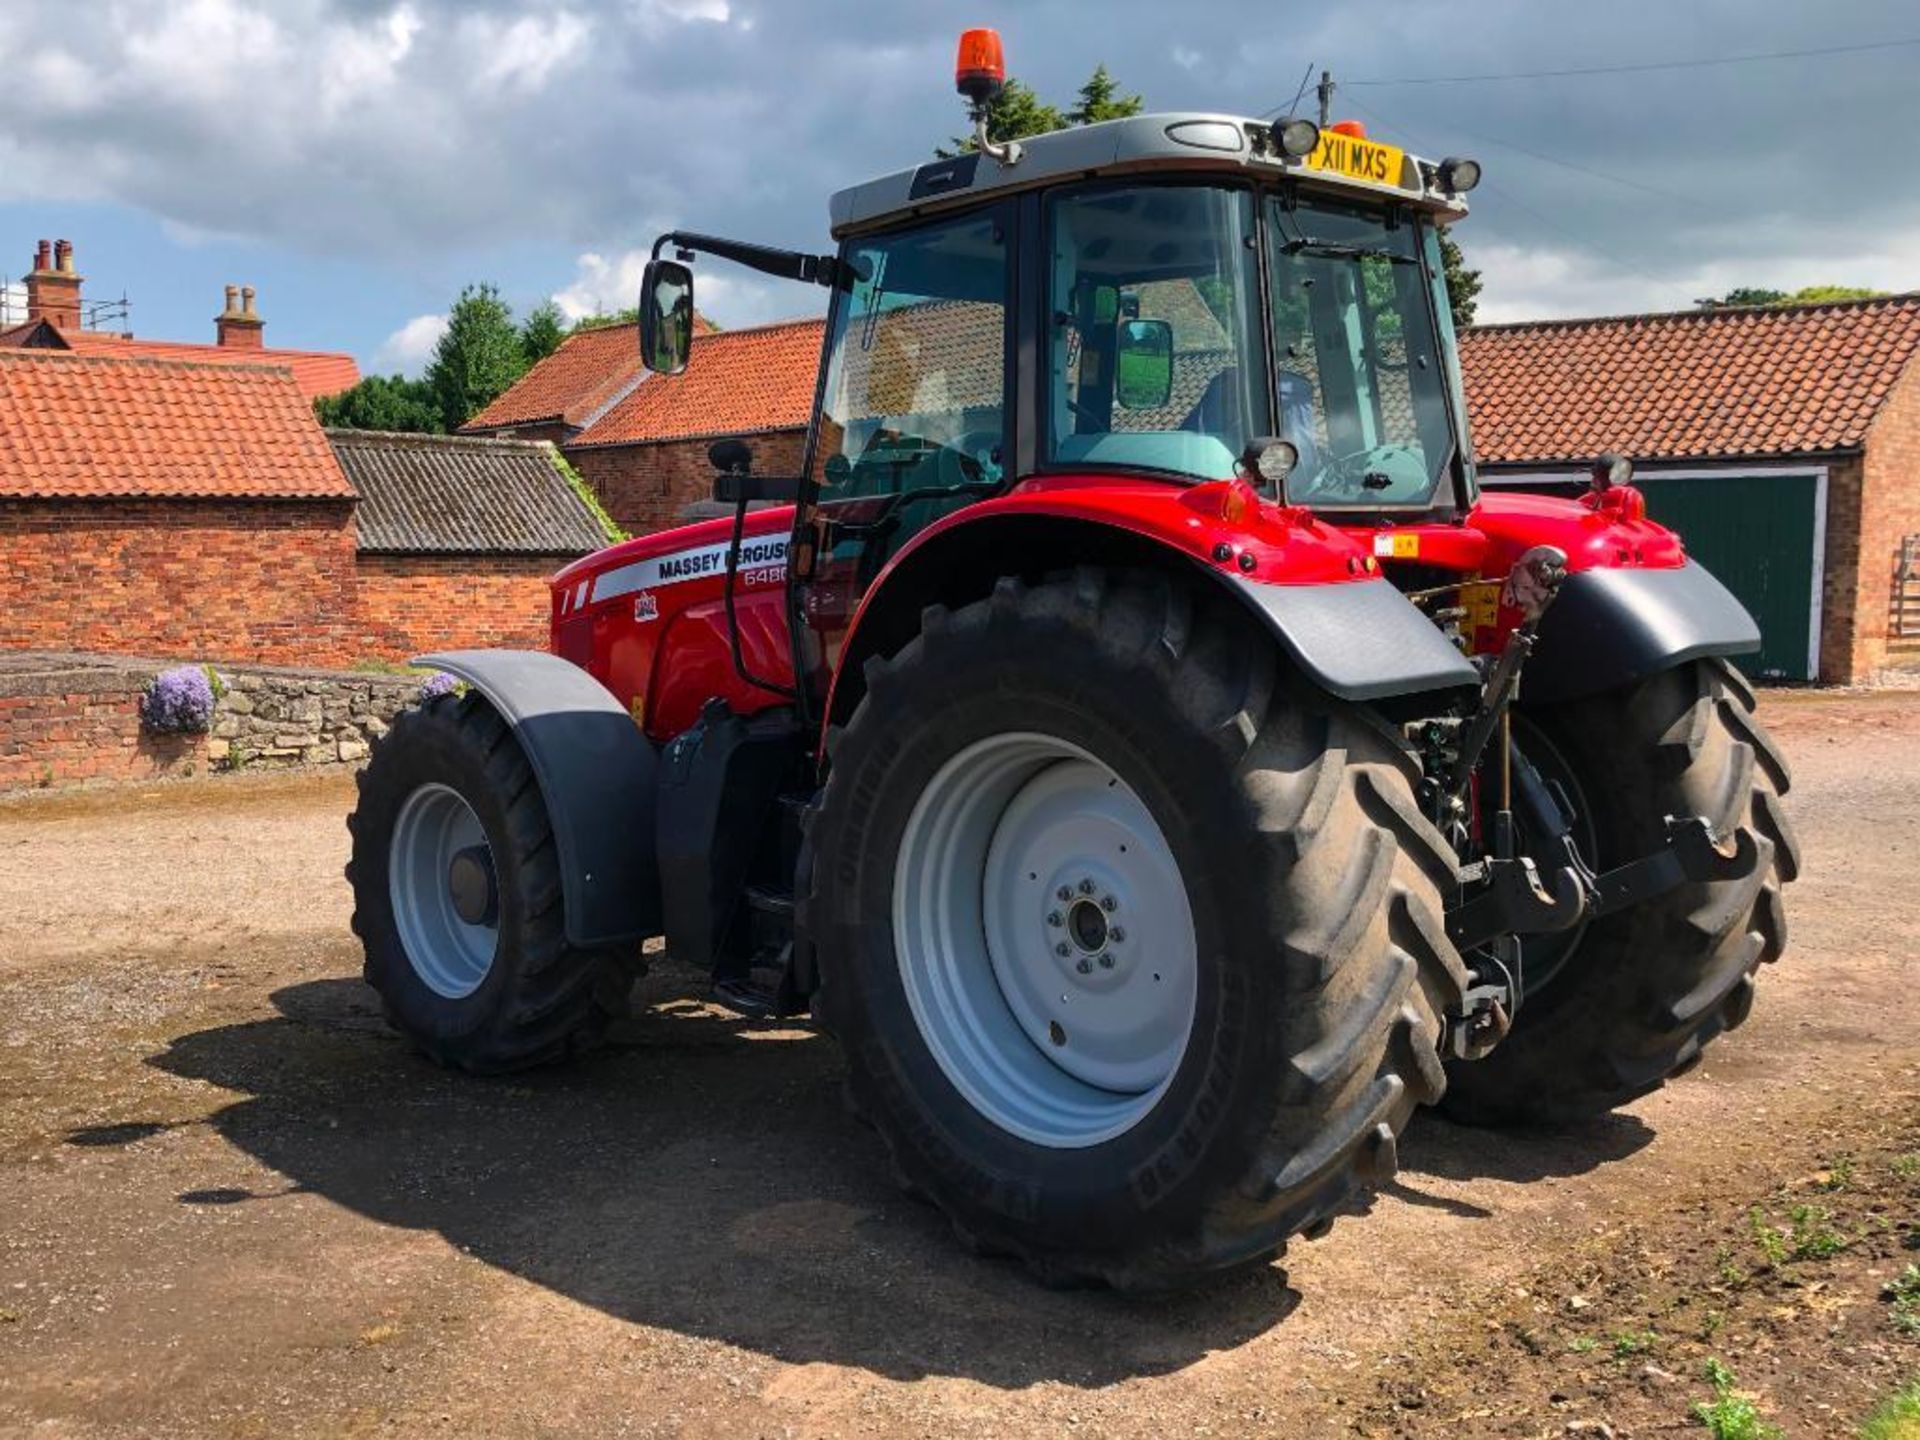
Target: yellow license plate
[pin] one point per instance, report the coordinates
(1357, 159)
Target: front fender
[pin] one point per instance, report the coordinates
(1608, 628)
(596, 773)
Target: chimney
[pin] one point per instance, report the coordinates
(53, 287)
(238, 327)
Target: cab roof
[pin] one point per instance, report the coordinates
(1182, 140)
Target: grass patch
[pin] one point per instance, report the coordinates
(1629, 1343)
(1731, 1415)
(1898, 1419)
(1905, 1167)
(1809, 1234)
(1903, 1291)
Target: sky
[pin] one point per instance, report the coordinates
(358, 161)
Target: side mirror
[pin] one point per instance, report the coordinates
(666, 316)
(1144, 365)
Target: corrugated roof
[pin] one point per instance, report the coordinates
(736, 382)
(1699, 383)
(446, 494)
(318, 372)
(73, 426)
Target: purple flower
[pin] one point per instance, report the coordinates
(437, 684)
(178, 702)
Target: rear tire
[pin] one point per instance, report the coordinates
(450, 779)
(1312, 895)
(1647, 989)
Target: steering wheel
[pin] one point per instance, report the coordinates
(1346, 474)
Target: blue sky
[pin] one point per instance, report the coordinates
(358, 160)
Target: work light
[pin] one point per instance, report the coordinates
(1295, 136)
(1458, 175)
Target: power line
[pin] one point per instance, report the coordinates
(1542, 155)
(1639, 68)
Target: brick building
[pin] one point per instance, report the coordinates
(1783, 443)
(455, 539)
(158, 507)
(51, 314)
(647, 456)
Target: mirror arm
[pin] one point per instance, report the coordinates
(784, 264)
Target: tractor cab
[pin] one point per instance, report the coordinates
(1174, 300)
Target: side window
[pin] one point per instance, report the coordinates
(1155, 361)
(912, 417)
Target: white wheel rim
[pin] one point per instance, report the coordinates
(1021, 848)
(450, 955)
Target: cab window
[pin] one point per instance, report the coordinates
(1154, 362)
(912, 414)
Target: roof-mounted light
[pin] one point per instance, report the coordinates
(1295, 136)
(980, 68)
(1457, 175)
(1349, 127)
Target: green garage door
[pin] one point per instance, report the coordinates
(1756, 532)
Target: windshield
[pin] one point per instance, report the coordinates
(1363, 378)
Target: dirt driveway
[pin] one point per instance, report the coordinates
(231, 1203)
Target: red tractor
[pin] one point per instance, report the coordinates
(1134, 735)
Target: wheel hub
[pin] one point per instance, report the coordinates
(1045, 939)
(470, 883)
(442, 886)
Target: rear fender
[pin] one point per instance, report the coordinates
(1608, 628)
(1355, 636)
(596, 774)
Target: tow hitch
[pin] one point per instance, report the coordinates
(1504, 895)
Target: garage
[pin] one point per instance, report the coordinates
(1762, 531)
(1781, 441)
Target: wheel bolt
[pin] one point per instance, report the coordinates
(1061, 949)
(1056, 919)
(1086, 887)
(1063, 893)
(1117, 934)
(1085, 967)
(1106, 961)
(1109, 904)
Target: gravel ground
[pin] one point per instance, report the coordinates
(232, 1204)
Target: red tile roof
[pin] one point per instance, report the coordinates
(318, 372)
(736, 382)
(575, 383)
(74, 426)
(1792, 379)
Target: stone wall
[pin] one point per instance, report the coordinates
(72, 717)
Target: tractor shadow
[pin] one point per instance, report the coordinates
(697, 1174)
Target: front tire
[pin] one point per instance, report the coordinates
(1289, 903)
(1645, 990)
(457, 898)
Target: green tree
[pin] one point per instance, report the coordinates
(383, 402)
(1463, 285)
(629, 316)
(1015, 113)
(1100, 99)
(479, 356)
(1742, 296)
(541, 332)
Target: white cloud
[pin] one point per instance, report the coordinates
(524, 54)
(714, 11)
(1186, 58)
(729, 297)
(409, 348)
